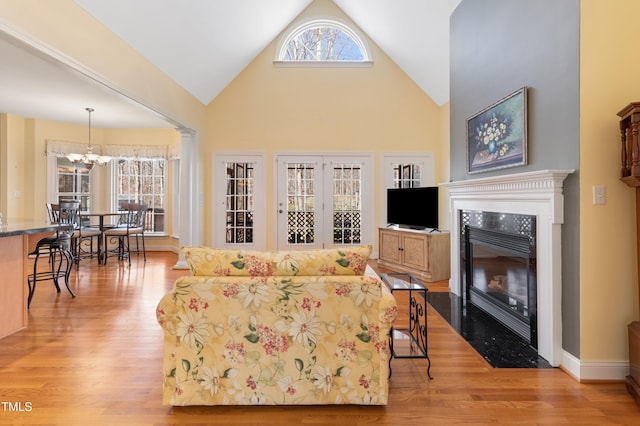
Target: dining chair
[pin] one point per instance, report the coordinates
(51, 213)
(131, 223)
(83, 238)
(138, 232)
(57, 249)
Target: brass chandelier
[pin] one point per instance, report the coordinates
(89, 159)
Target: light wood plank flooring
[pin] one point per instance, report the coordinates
(96, 360)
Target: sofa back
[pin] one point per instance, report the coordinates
(208, 261)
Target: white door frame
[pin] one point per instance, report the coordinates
(323, 159)
(218, 203)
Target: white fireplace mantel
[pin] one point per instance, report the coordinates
(536, 193)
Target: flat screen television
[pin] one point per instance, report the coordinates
(415, 208)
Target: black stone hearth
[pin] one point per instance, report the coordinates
(498, 345)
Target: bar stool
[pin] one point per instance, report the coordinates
(57, 249)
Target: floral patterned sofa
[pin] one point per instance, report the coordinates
(289, 327)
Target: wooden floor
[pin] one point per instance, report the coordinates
(96, 360)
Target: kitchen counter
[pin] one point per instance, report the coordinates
(24, 226)
(15, 237)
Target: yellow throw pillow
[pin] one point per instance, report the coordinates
(334, 261)
(207, 261)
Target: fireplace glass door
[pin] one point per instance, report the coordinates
(499, 262)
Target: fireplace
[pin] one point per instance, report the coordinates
(537, 194)
(498, 261)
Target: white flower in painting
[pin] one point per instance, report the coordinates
(305, 329)
(322, 378)
(366, 292)
(192, 329)
(254, 293)
(209, 379)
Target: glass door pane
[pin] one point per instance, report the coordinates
(346, 204)
(300, 203)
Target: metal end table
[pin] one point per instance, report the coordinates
(410, 342)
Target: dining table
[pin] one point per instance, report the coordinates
(101, 225)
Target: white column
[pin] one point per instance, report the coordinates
(189, 207)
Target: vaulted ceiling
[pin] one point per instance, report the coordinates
(204, 44)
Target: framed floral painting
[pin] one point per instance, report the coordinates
(497, 135)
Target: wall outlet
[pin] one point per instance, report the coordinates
(599, 195)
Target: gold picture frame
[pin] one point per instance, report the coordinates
(497, 135)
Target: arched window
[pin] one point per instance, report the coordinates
(323, 40)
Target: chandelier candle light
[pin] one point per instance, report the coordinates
(89, 159)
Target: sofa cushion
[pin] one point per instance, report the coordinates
(334, 261)
(208, 261)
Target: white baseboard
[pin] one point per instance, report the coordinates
(149, 246)
(594, 370)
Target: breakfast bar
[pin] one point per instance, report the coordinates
(15, 237)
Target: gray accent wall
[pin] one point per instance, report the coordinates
(497, 47)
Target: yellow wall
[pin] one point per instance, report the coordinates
(12, 166)
(608, 82)
(273, 109)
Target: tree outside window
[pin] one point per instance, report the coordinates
(323, 41)
(407, 175)
(143, 181)
(74, 182)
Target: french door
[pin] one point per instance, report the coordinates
(322, 201)
(239, 203)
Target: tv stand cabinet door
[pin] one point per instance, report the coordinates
(390, 246)
(415, 248)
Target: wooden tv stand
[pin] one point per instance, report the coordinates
(423, 253)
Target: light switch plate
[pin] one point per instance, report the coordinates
(599, 195)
